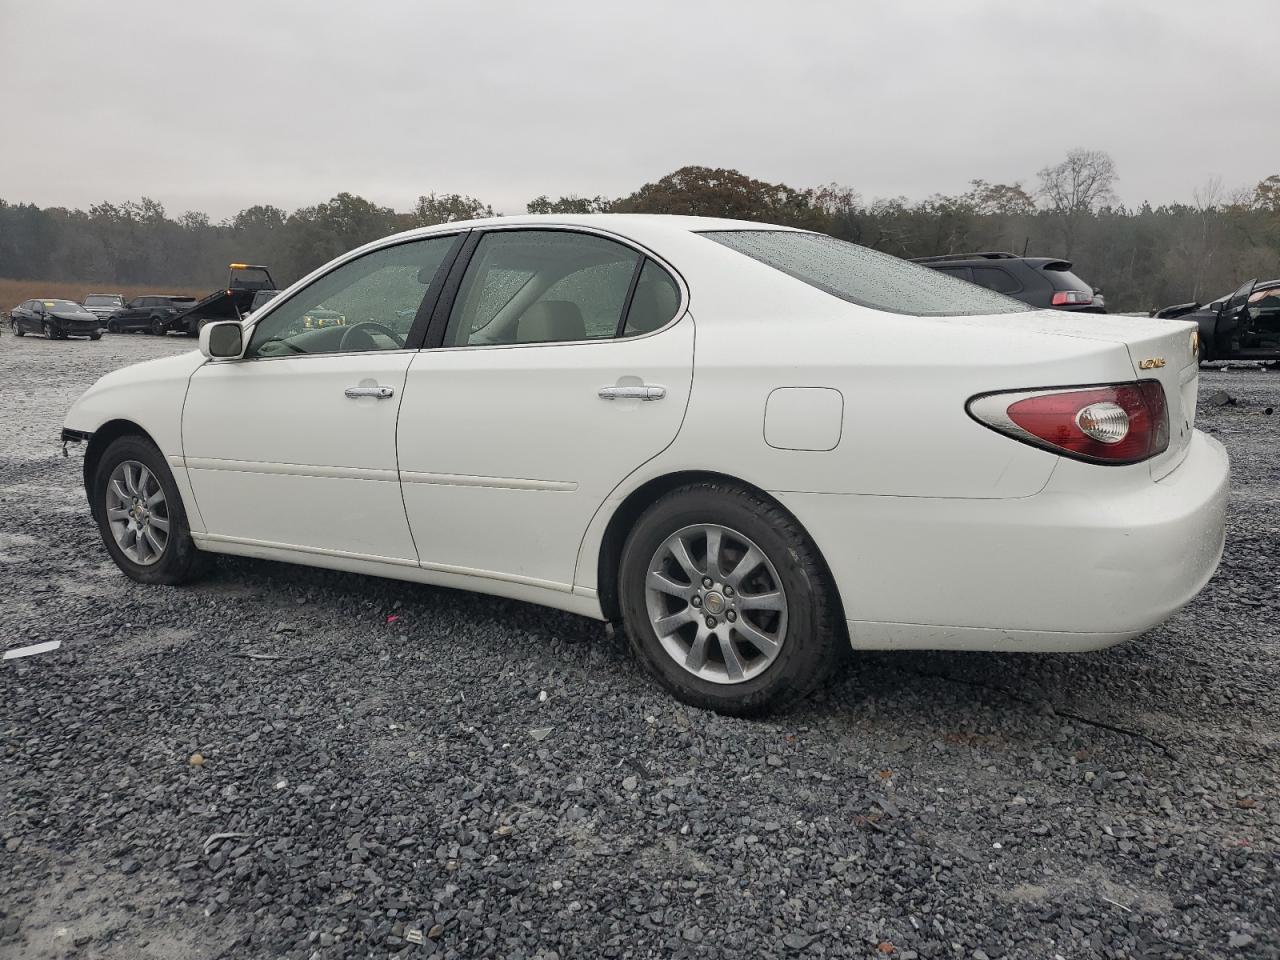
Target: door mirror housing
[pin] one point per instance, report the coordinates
(222, 341)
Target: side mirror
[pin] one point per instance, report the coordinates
(222, 341)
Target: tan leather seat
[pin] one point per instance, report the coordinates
(551, 321)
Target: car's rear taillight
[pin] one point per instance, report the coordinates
(1067, 298)
(1114, 423)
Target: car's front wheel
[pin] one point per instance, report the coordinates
(113, 327)
(140, 514)
(17, 328)
(726, 600)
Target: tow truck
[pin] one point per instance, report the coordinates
(248, 286)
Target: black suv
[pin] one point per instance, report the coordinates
(1039, 281)
(148, 313)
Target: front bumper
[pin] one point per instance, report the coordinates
(1072, 568)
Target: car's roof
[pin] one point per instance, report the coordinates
(622, 223)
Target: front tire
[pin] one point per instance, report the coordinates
(47, 329)
(726, 601)
(140, 515)
(96, 335)
(17, 328)
(112, 327)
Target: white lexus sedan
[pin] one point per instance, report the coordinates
(752, 445)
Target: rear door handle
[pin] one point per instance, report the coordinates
(642, 392)
(378, 393)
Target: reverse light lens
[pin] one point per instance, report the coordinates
(1105, 422)
(1114, 424)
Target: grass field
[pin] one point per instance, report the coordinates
(14, 292)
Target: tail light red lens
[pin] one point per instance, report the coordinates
(1065, 298)
(1114, 424)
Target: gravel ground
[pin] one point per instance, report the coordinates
(424, 772)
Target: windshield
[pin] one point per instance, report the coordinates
(864, 276)
(61, 305)
(102, 300)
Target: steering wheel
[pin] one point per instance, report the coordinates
(348, 340)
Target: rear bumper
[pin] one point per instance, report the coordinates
(1061, 570)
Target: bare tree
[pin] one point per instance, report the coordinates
(1075, 188)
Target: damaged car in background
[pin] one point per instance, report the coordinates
(861, 451)
(1244, 325)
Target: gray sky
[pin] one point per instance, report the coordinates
(216, 106)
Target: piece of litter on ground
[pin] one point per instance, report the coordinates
(1118, 904)
(413, 935)
(540, 733)
(392, 618)
(250, 655)
(32, 650)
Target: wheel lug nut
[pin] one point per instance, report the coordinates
(731, 616)
(728, 591)
(696, 602)
(706, 582)
(711, 622)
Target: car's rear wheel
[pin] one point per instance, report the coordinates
(157, 327)
(140, 514)
(726, 601)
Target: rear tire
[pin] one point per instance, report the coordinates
(780, 618)
(178, 560)
(157, 327)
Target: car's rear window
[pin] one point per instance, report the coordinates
(863, 276)
(1060, 277)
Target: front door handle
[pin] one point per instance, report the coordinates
(642, 392)
(378, 393)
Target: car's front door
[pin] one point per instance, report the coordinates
(295, 444)
(525, 411)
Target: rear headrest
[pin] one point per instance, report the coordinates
(551, 321)
(654, 304)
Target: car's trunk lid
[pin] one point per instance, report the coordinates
(1158, 349)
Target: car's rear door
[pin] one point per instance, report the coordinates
(527, 411)
(294, 446)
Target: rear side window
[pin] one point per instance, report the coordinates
(655, 301)
(542, 286)
(865, 277)
(994, 278)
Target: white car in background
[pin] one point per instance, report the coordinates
(752, 445)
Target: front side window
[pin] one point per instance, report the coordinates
(369, 303)
(542, 286)
(863, 276)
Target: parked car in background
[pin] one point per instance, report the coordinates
(515, 406)
(103, 305)
(55, 319)
(1244, 325)
(1039, 281)
(152, 314)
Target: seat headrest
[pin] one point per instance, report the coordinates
(551, 321)
(653, 305)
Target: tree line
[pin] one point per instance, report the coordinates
(1141, 257)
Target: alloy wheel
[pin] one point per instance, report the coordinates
(137, 512)
(716, 603)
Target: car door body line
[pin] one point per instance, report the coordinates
(506, 483)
